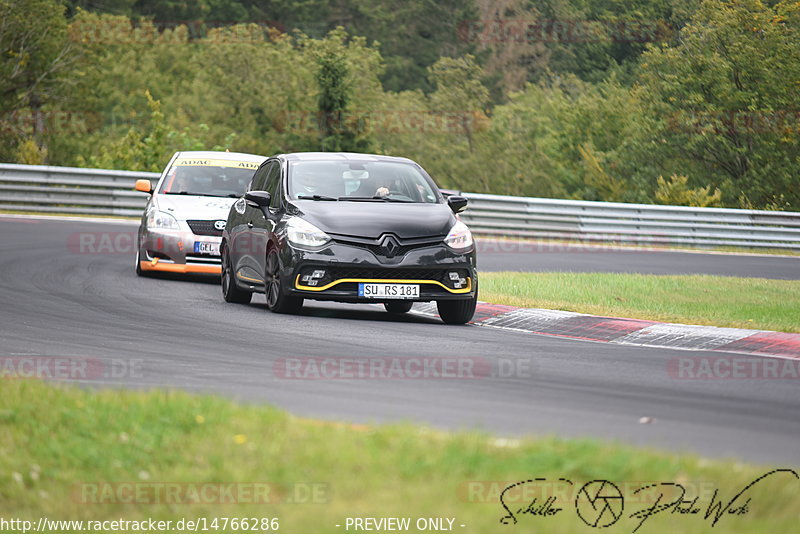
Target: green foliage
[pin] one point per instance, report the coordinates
(336, 133)
(708, 99)
(30, 153)
(147, 148)
(728, 92)
(677, 193)
(34, 58)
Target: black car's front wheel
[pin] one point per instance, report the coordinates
(277, 299)
(457, 311)
(230, 291)
(398, 306)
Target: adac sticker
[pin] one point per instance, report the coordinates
(187, 162)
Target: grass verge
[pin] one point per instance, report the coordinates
(756, 303)
(55, 442)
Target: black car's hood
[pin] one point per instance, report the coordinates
(372, 219)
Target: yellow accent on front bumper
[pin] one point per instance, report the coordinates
(467, 289)
(248, 279)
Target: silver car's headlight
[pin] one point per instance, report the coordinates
(161, 221)
(301, 232)
(459, 238)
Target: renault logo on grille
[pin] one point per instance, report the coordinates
(220, 225)
(390, 246)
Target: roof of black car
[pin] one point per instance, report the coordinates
(340, 156)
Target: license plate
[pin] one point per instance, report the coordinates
(206, 247)
(388, 291)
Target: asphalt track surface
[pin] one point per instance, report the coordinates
(57, 302)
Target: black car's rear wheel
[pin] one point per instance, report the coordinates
(398, 306)
(277, 299)
(457, 311)
(230, 291)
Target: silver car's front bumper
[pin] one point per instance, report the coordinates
(178, 251)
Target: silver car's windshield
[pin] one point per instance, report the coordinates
(217, 178)
(360, 180)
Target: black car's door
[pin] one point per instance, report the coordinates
(264, 226)
(244, 249)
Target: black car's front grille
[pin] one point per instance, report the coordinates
(339, 273)
(394, 248)
(204, 228)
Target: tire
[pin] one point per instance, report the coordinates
(398, 306)
(139, 271)
(457, 311)
(230, 291)
(277, 300)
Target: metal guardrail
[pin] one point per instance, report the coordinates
(643, 224)
(44, 189)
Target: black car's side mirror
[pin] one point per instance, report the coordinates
(258, 199)
(457, 203)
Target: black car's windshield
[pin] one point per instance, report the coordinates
(215, 178)
(362, 181)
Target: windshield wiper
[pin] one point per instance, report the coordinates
(316, 197)
(374, 199)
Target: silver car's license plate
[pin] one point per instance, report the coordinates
(388, 291)
(206, 247)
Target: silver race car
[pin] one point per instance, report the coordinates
(182, 224)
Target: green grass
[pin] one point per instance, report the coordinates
(53, 437)
(755, 303)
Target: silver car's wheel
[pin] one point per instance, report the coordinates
(139, 270)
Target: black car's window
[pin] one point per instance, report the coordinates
(273, 181)
(207, 177)
(358, 179)
(260, 177)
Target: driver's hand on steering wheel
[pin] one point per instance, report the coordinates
(382, 192)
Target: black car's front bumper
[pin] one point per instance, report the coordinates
(440, 272)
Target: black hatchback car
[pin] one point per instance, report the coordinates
(349, 228)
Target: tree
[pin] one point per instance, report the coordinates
(727, 94)
(34, 55)
(459, 92)
(338, 133)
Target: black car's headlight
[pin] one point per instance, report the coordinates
(459, 238)
(161, 220)
(303, 233)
